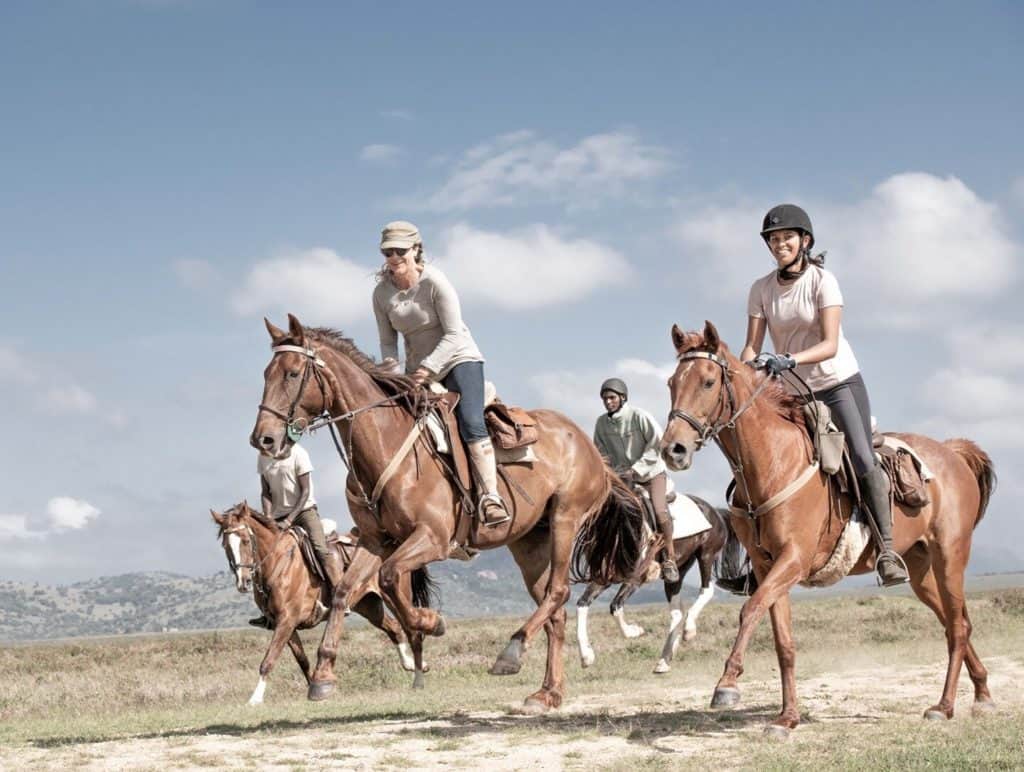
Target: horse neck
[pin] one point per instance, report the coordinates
(263, 536)
(374, 435)
(770, 449)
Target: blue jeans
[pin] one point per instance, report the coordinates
(467, 378)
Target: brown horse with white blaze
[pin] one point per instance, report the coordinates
(760, 429)
(413, 520)
(269, 563)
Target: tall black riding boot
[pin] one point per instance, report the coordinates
(874, 488)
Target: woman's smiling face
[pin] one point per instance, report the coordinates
(785, 245)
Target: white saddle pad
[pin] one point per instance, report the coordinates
(687, 517)
(330, 526)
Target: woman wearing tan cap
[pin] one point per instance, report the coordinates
(418, 301)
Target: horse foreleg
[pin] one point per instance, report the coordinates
(295, 644)
(782, 630)
(707, 592)
(618, 610)
(594, 589)
(361, 570)
(416, 639)
(668, 651)
(282, 633)
(784, 573)
(421, 547)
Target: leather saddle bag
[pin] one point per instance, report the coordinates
(510, 427)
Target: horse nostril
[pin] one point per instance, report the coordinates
(266, 441)
(678, 449)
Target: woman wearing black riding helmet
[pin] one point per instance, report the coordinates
(800, 305)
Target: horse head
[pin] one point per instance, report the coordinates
(295, 390)
(698, 391)
(238, 541)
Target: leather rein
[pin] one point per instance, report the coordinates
(728, 420)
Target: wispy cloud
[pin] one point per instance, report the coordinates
(518, 168)
(317, 285)
(528, 268)
(63, 514)
(380, 153)
(69, 399)
(53, 390)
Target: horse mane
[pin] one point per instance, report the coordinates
(241, 509)
(775, 395)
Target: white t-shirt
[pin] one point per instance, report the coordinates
(283, 478)
(794, 323)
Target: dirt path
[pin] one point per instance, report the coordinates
(654, 722)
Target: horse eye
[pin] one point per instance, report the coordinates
(708, 384)
(293, 373)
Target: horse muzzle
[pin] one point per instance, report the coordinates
(677, 455)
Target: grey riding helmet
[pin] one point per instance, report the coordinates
(617, 385)
(787, 217)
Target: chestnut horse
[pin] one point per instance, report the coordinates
(268, 562)
(760, 430)
(410, 520)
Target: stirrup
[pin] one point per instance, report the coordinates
(497, 500)
(896, 558)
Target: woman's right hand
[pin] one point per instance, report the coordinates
(390, 364)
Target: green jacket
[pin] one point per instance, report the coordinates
(629, 440)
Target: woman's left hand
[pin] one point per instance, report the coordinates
(420, 376)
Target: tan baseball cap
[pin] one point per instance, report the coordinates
(399, 235)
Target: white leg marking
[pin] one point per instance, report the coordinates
(587, 655)
(628, 630)
(257, 694)
(405, 655)
(690, 629)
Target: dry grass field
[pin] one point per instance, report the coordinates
(868, 666)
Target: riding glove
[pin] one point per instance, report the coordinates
(774, 363)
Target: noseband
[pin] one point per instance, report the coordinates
(704, 430)
(231, 555)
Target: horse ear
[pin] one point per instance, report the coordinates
(711, 339)
(678, 337)
(217, 517)
(296, 330)
(276, 333)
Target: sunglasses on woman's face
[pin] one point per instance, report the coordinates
(395, 252)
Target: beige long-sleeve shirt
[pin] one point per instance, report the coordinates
(429, 318)
(629, 440)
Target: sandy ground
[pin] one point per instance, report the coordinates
(657, 719)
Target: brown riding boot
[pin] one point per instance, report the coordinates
(669, 570)
(492, 508)
(875, 493)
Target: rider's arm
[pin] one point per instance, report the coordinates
(756, 326)
(387, 334)
(300, 502)
(449, 315)
(648, 464)
(829, 318)
(266, 498)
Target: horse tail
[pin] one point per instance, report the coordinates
(981, 466)
(610, 542)
(732, 568)
(424, 588)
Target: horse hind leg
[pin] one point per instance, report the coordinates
(672, 640)
(925, 584)
(295, 644)
(707, 592)
(587, 655)
(618, 610)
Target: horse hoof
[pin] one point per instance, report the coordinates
(934, 714)
(662, 667)
(689, 634)
(588, 659)
(725, 697)
(534, 707)
(417, 681)
(439, 628)
(319, 690)
(509, 662)
(634, 631)
(776, 732)
(983, 708)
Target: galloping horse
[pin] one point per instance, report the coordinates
(410, 520)
(701, 548)
(760, 430)
(268, 562)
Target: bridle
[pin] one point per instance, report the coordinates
(296, 427)
(254, 566)
(726, 401)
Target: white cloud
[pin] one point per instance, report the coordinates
(195, 274)
(14, 527)
(69, 399)
(917, 238)
(991, 346)
(67, 514)
(15, 367)
(517, 168)
(317, 285)
(527, 269)
(380, 153)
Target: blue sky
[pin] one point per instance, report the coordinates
(586, 174)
